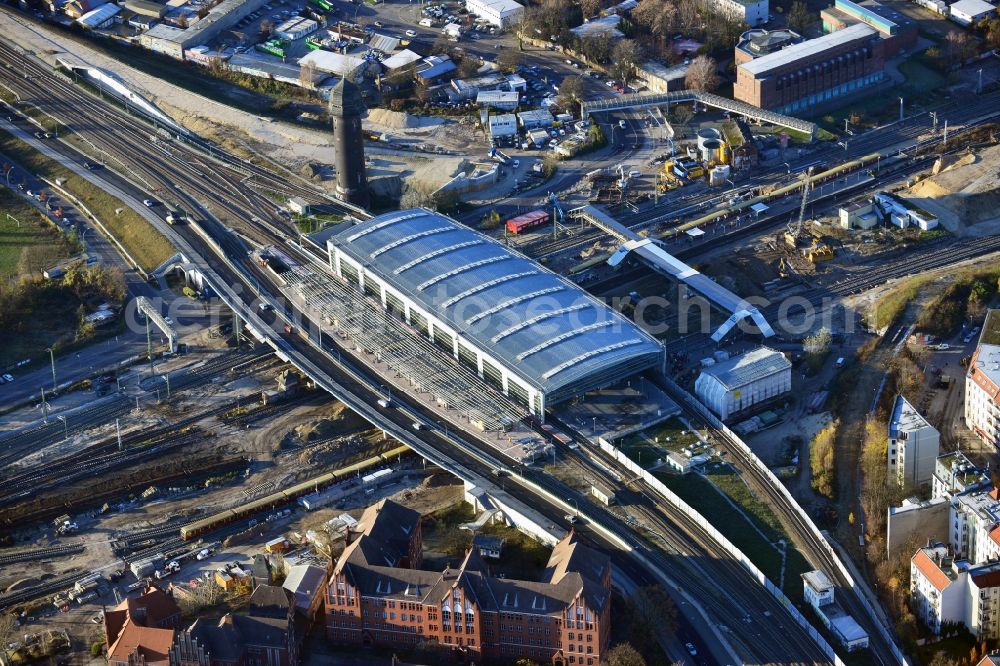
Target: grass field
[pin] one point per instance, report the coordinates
(697, 491)
(920, 79)
(149, 247)
(29, 243)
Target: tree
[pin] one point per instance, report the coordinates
(590, 8)
(625, 57)
(702, 74)
(307, 75)
(570, 91)
(416, 196)
(800, 19)
(818, 342)
(265, 27)
(821, 460)
(509, 60)
(991, 28)
(624, 654)
(959, 46)
(596, 48)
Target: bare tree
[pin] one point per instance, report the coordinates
(625, 58)
(624, 654)
(800, 19)
(702, 74)
(571, 91)
(307, 75)
(509, 60)
(591, 8)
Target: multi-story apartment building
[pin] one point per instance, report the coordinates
(972, 525)
(982, 383)
(913, 446)
(562, 619)
(802, 78)
(751, 12)
(954, 474)
(943, 590)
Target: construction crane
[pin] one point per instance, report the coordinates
(558, 215)
(795, 226)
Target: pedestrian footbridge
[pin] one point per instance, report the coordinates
(643, 100)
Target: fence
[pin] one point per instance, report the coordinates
(752, 459)
(721, 539)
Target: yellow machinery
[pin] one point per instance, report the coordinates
(819, 252)
(668, 180)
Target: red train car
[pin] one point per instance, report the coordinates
(535, 218)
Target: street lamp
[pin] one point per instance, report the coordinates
(65, 427)
(900, 109)
(52, 358)
(575, 504)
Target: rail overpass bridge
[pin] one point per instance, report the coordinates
(643, 100)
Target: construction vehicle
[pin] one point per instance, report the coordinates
(794, 230)
(818, 252)
(688, 169)
(667, 180)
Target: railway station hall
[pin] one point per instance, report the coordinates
(531, 334)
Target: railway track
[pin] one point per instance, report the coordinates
(470, 454)
(39, 553)
(802, 532)
(15, 445)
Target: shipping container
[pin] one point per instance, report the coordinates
(535, 218)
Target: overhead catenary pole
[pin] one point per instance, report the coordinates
(52, 358)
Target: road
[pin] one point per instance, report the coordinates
(217, 188)
(148, 161)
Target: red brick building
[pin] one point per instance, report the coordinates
(802, 78)
(562, 619)
(140, 630)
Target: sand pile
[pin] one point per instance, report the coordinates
(965, 196)
(399, 120)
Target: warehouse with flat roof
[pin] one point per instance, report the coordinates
(531, 334)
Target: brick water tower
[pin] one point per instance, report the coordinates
(347, 108)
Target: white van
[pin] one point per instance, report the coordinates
(427, 23)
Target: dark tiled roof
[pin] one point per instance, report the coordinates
(391, 525)
(261, 631)
(221, 641)
(270, 601)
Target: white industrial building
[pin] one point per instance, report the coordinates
(970, 12)
(503, 100)
(173, 41)
(913, 445)
(296, 28)
(503, 125)
(818, 592)
(737, 384)
(500, 13)
(529, 333)
(751, 12)
(101, 17)
(902, 213)
(982, 383)
(534, 119)
(342, 65)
